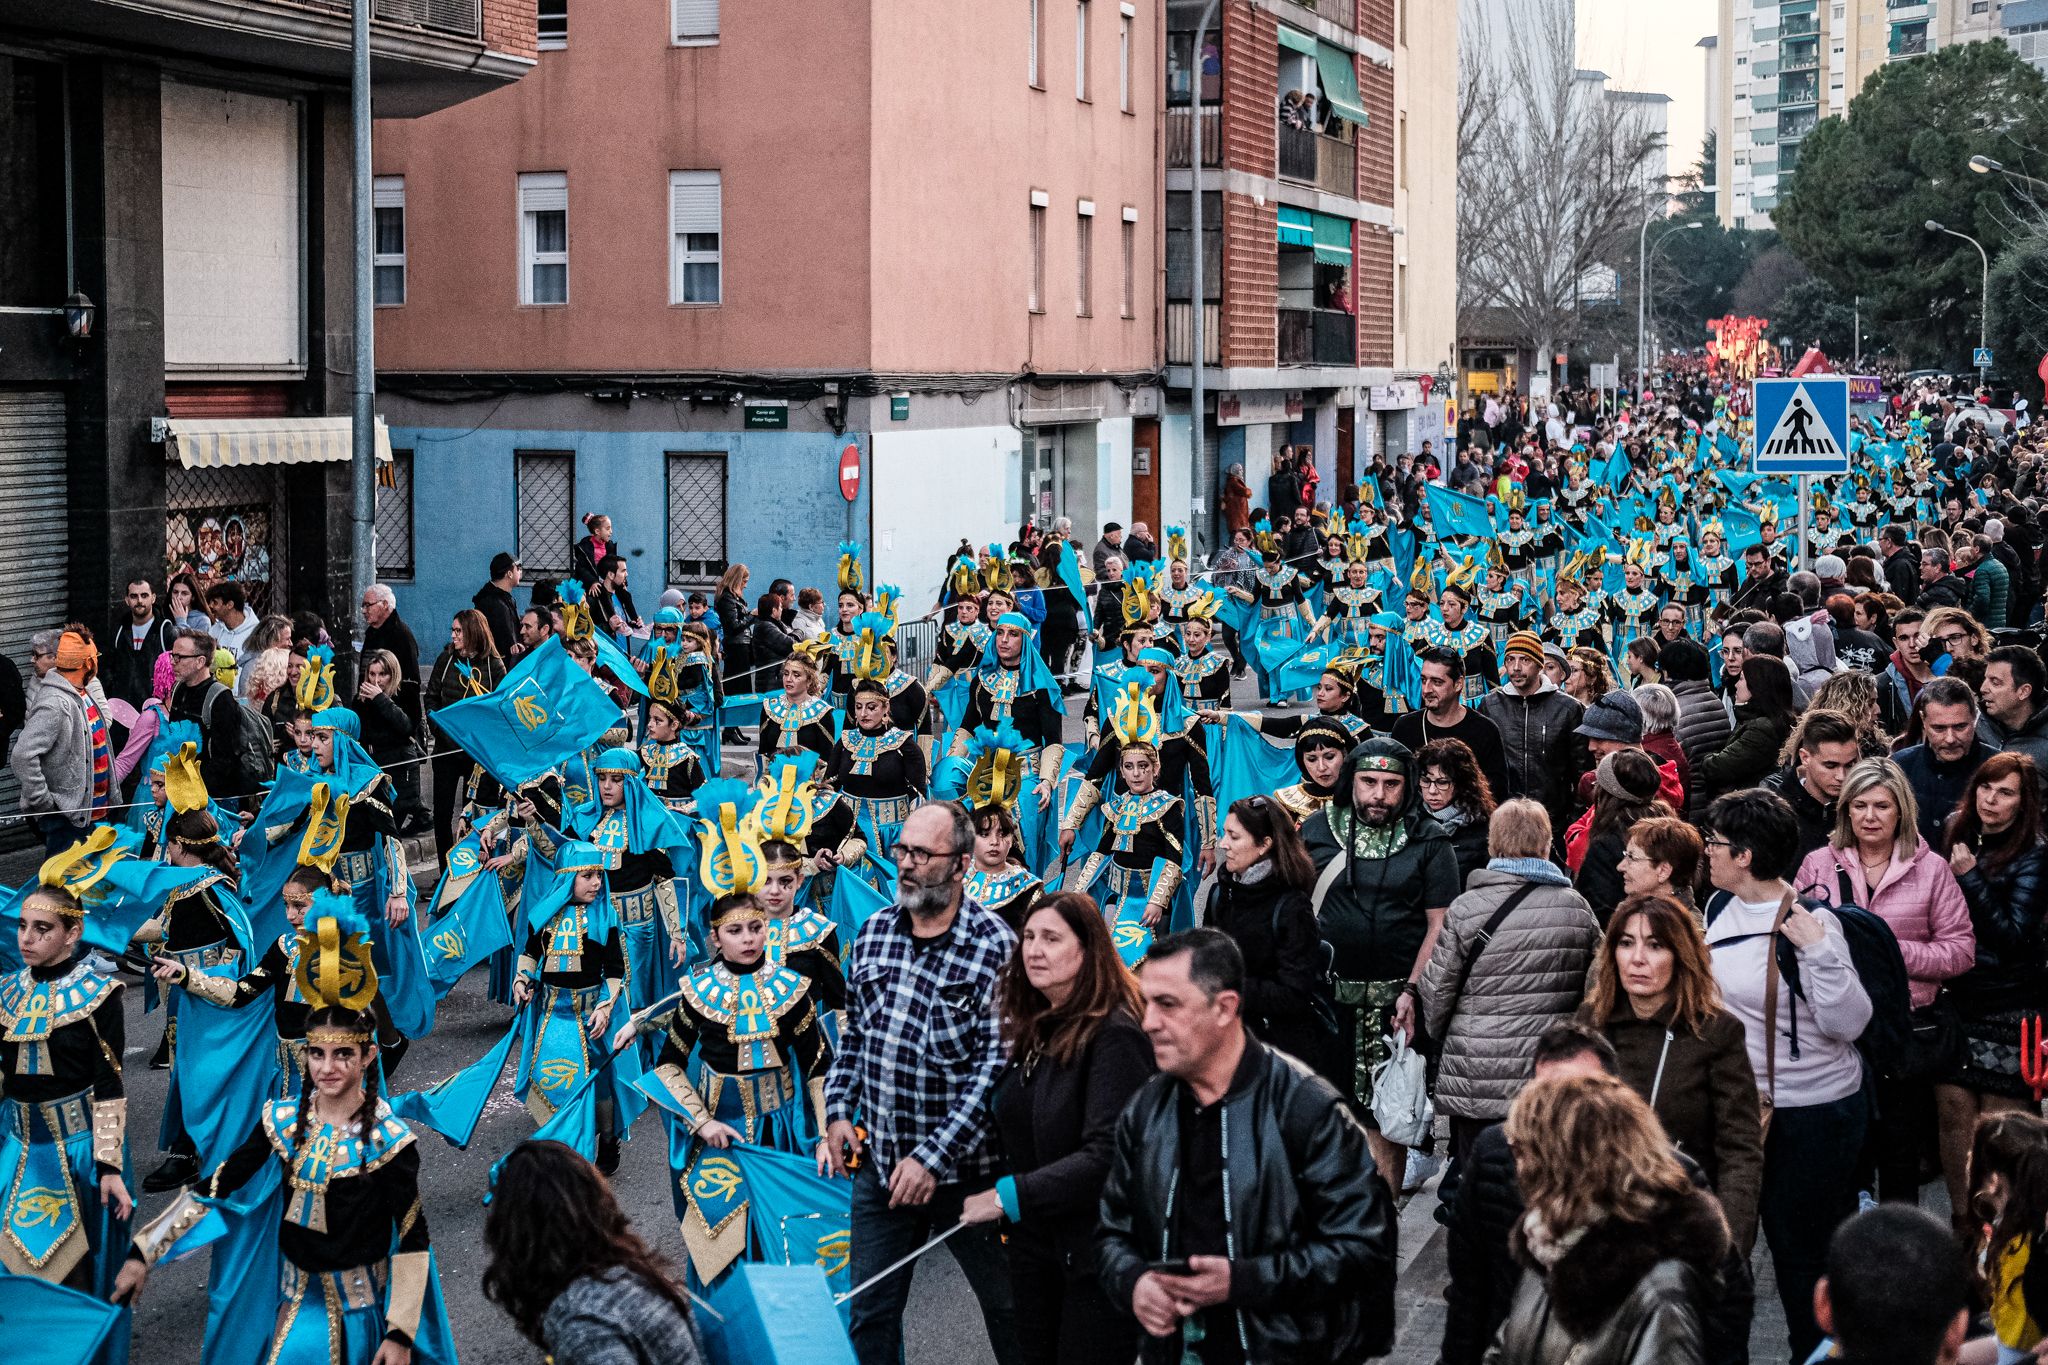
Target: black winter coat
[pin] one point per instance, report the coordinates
(2006, 910)
(1284, 962)
(387, 730)
(1481, 1223)
(1068, 1116)
(1312, 1278)
(1545, 754)
(1599, 875)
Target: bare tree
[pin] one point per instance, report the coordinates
(1554, 178)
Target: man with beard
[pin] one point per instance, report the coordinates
(1385, 874)
(918, 1056)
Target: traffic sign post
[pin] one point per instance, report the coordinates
(849, 481)
(1802, 428)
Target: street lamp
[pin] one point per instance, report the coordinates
(1643, 283)
(1984, 298)
(1984, 165)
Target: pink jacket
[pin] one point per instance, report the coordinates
(1919, 900)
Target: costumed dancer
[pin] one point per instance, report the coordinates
(1012, 686)
(1319, 748)
(571, 975)
(1179, 593)
(1336, 697)
(851, 602)
(1684, 586)
(1517, 544)
(743, 1053)
(1203, 672)
(1632, 612)
(997, 877)
(797, 717)
(1349, 603)
(1109, 673)
(1549, 533)
(873, 655)
(681, 716)
(1182, 757)
(201, 931)
(879, 772)
(1578, 617)
(672, 768)
(641, 842)
(1372, 527)
(963, 638)
(328, 1260)
(1280, 593)
(1715, 568)
(1144, 831)
(1502, 603)
(1457, 634)
(64, 1144)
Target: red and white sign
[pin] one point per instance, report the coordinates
(849, 472)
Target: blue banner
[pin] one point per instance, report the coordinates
(543, 712)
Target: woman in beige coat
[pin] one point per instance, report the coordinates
(1495, 981)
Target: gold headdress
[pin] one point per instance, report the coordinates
(1356, 548)
(870, 655)
(1177, 543)
(998, 772)
(1134, 718)
(850, 574)
(995, 570)
(578, 623)
(1712, 527)
(787, 808)
(182, 782)
(78, 870)
(887, 595)
(664, 681)
(731, 861)
(1422, 578)
(315, 691)
(1204, 607)
(1137, 603)
(1464, 576)
(335, 965)
(326, 826)
(962, 578)
(1496, 558)
(1638, 553)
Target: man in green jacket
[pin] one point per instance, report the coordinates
(1990, 583)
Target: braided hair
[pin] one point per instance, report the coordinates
(340, 1018)
(198, 833)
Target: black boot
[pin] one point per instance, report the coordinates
(607, 1154)
(160, 1060)
(178, 1170)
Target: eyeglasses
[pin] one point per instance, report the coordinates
(181, 654)
(1438, 781)
(921, 857)
(1631, 855)
(1716, 842)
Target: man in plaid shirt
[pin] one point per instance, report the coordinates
(917, 1064)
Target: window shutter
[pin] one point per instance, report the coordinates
(388, 192)
(547, 191)
(694, 201)
(694, 18)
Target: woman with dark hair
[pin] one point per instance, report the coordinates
(1260, 899)
(1069, 1010)
(568, 1269)
(1654, 995)
(1319, 749)
(469, 666)
(1456, 793)
(1625, 787)
(997, 878)
(1764, 713)
(1995, 848)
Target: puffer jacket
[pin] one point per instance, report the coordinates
(1528, 976)
(2006, 909)
(1312, 1276)
(1702, 729)
(1920, 901)
(1626, 1293)
(1544, 752)
(2030, 739)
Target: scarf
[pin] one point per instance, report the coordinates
(1453, 817)
(1539, 870)
(1547, 1247)
(1368, 842)
(1254, 874)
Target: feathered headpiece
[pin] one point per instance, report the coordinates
(887, 595)
(871, 655)
(1204, 607)
(1134, 718)
(78, 870)
(962, 578)
(577, 621)
(335, 966)
(998, 771)
(1137, 603)
(850, 575)
(731, 860)
(315, 691)
(1263, 537)
(1177, 543)
(995, 570)
(787, 800)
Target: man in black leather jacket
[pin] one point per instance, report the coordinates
(1286, 1229)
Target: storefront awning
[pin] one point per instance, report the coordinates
(224, 443)
(1297, 226)
(1340, 83)
(1332, 239)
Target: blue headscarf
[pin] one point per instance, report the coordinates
(1173, 706)
(1032, 674)
(571, 858)
(650, 824)
(354, 769)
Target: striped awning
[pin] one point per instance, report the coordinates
(229, 442)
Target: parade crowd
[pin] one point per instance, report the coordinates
(1649, 882)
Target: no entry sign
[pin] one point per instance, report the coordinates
(849, 472)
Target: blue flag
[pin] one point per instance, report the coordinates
(616, 661)
(470, 921)
(453, 1106)
(65, 1326)
(1250, 764)
(1614, 472)
(546, 710)
(1743, 528)
(794, 1215)
(1457, 514)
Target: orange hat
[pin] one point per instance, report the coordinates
(77, 658)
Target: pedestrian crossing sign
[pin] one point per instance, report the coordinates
(1802, 426)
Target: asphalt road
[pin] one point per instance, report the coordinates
(943, 1326)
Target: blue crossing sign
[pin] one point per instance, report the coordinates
(1981, 358)
(1802, 425)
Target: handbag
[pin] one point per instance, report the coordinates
(1937, 1047)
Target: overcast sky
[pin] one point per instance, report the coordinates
(1653, 45)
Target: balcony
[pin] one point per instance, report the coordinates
(1796, 123)
(1311, 158)
(1909, 40)
(1804, 57)
(456, 18)
(1793, 91)
(1317, 336)
(1297, 154)
(1800, 26)
(1180, 135)
(1180, 333)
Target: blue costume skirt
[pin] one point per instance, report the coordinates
(1276, 638)
(644, 937)
(766, 1108)
(54, 1211)
(333, 1318)
(560, 1051)
(1123, 893)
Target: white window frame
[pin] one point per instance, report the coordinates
(543, 43)
(1040, 201)
(1130, 255)
(1037, 71)
(690, 209)
(1126, 20)
(542, 192)
(1084, 258)
(388, 192)
(693, 23)
(1081, 8)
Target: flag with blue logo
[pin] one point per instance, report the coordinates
(469, 921)
(796, 1216)
(1452, 513)
(543, 712)
(1743, 528)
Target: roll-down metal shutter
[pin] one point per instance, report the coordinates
(35, 569)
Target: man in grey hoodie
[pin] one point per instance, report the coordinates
(53, 761)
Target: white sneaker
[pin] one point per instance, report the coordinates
(1422, 1168)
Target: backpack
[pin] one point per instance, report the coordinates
(1874, 952)
(241, 741)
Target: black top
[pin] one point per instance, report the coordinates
(636, 870)
(501, 615)
(897, 770)
(797, 1037)
(600, 960)
(1032, 713)
(1201, 1223)
(364, 1209)
(396, 636)
(193, 921)
(1481, 736)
